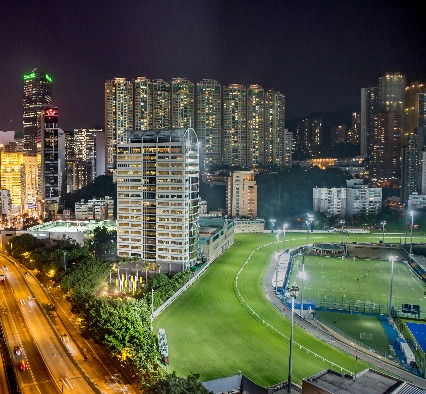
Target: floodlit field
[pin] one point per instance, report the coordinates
(218, 328)
(362, 284)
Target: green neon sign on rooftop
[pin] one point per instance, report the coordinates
(33, 75)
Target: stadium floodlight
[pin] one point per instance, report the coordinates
(342, 222)
(302, 275)
(284, 228)
(392, 260)
(309, 222)
(383, 229)
(411, 235)
(291, 292)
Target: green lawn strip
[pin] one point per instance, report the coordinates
(211, 332)
(353, 325)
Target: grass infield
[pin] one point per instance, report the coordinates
(212, 331)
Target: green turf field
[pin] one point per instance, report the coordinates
(364, 329)
(358, 284)
(221, 326)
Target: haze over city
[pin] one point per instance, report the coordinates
(318, 54)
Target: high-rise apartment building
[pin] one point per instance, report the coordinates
(157, 197)
(142, 104)
(382, 111)
(209, 122)
(369, 107)
(353, 134)
(241, 195)
(255, 126)
(37, 94)
(338, 135)
(161, 105)
(182, 103)
(277, 149)
(118, 116)
(235, 126)
(243, 128)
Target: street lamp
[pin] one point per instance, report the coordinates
(284, 228)
(291, 292)
(411, 235)
(383, 231)
(272, 221)
(278, 239)
(302, 275)
(392, 260)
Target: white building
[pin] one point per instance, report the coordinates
(98, 209)
(157, 197)
(416, 201)
(355, 199)
(331, 201)
(241, 195)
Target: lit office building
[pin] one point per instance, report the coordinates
(51, 151)
(241, 195)
(31, 164)
(118, 116)
(235, 126)
(37, 95)
(276, 140)
(12, 178)
(157, 198)
(209, 118)
(182, 103)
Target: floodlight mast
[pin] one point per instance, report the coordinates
(292, 292)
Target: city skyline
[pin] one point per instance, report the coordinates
(319, 55)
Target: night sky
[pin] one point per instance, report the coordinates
(318, 53)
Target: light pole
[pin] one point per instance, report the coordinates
(308, 222)
(284, 228)
(342, 222)
(411, 235)
(383, 231)
(278, 239)
(292, 292)
(65, 260)
(272, 221)
(392, 260)
(302, 275)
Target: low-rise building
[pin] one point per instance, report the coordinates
(97, 209)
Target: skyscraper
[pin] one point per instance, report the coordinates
(209, 122)
(118, 116)
(161, 104)
(255, 126)
(276, 142)
(37, 94)
(235, 126)
(382, 111)
(51, 151)
(157, 197)
(182, 103)
(142, 103)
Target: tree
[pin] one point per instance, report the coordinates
(172, 384)
(104, 242)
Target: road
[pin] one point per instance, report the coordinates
(315, 328)
(93, 360)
